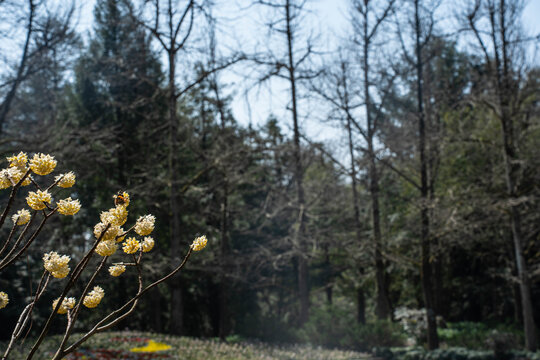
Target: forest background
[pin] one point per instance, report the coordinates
(397, 169)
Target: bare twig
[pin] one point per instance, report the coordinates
(108, 321)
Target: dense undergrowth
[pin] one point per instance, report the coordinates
(145, 345)
(139, 346)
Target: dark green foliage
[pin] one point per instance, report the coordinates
(335, 327)
(480, 336)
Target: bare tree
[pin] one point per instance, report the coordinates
(367, 22)
(495, 25)
(291, 67)
(421, 21)
(353, 91)
(44, 30)
(174, 25)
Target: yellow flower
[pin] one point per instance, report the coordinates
(121, 236)
(93, 298)
(19, 161)
(10, 177)
(61, 273)
(116, 216)
(36, 200)
(199, 243)
(55, 264)
(145, 225)
(68, 206)
(4, 299)
(67, 180)
(152, 346)
(42, 164)
(21, 217)
(106, 248)
(67, 304)
(117, 270)
(131, 246)
(110, 234)
(147, 244)
(5, 179)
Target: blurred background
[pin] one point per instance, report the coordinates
(354, 164)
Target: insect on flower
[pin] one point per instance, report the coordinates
(121, 198)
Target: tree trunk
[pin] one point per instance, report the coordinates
(328, 277)
(515, 220)
(361, 311)
(426, 271)
(177, 318)
(382, 304)
(303, 271)
(224, 326)
(505, 93)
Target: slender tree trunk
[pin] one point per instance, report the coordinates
(224, 326)
(432, 129)
(518, 312)
(511, 170)
(328, 269)
(512, 175)
(360, 301)
(361, 311)
(177, 306)
(426, 271)
(382, 304)
(302, 263)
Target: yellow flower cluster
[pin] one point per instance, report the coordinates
(16, 170)
(131, 246)
(116, 216)
(42, 164)
(11, 176)
(36, 200)
(106, 247)
(55, 264)
(93, 298)
(147, 244)
(199, 243)
(117, 270)
(21, 217)
(4, 299)
(69, 206)
(67, 304)
(110, 234)
(66, 180)
(18, 161)
(145, 225)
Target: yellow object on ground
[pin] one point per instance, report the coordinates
(152, 346)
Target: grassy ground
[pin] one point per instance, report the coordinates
(135, 346)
